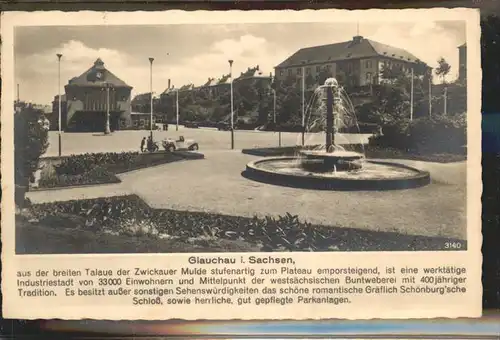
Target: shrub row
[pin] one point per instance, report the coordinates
(424, 135)
(286, 233)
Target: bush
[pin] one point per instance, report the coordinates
(394, 135)
(30, 142)
(439, 134)
(445, 134)
(362, 128)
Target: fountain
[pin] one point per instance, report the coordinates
(330, 166)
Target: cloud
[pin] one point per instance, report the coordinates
(200, 56)
(245, 51)
(38, 73)
(41, 68)
(426, 40)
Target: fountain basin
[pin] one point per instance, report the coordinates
(322, 161)
(372, 175)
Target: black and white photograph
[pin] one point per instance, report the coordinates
(241, 137)
(315, 164)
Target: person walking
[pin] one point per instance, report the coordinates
(143, 143)
(150, 144)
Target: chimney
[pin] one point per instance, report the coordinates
(357, 39)
(168, 82)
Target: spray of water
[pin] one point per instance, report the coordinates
(345, 117)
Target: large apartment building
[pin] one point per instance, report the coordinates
(357, 62)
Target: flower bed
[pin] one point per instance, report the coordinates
(101, 168)
(96, 175)
(129, 215)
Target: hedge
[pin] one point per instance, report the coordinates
(424, 135)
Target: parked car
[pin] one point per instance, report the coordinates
(191, 125)
(180, 144)
(225, 126)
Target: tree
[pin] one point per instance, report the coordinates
(30, 143)
(443, 69)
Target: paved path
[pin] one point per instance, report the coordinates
(209, 139)
(215, 184)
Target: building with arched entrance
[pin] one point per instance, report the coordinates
(89, 96)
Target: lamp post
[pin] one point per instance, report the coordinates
(430, 94)
(303, 103)
(59, 56)
(411, 96)
(232, 103)
(176, 109)
(445, 97)
(107, 129)
(273, 81)
(151, 89)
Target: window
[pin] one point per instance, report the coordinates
(282, 72)
(290, 71)
(299, 71)
(368, 77)
(308, 70)
(318, 69)
(368, 64)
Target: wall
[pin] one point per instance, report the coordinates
(313, 70)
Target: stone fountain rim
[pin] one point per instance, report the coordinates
(419, 179)
(347, 155)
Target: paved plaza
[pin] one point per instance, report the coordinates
(215, 184)
(208, 139)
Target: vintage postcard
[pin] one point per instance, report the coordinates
(309, 164)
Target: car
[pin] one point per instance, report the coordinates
(225, 126)
(181, 144)
(191, 125)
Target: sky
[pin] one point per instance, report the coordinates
(193, 53)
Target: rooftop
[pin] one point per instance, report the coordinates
(356, 48)
(97, 76)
